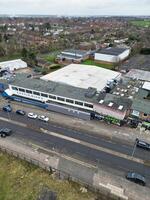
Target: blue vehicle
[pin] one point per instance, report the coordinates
(7, 108)
(20, 112)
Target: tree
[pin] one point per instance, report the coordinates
(2, 51)
(24, 53)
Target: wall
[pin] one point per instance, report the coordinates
(106, 58)
(45, 99)
(124, 55)
(69, 111)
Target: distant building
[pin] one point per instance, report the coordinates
(12, 65)
(74, 56)
(111, 55)
(138, 74)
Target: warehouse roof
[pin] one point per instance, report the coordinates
(82, 76)
(112, 51)
(75, 52)
(146, 86)
(139, 74)
(13, 64)
(141, 105)
(51, 87)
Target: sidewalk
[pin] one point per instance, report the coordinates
(108, 183)
(94, 127)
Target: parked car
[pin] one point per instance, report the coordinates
(142, 144)
(5, 132)
(133, 123)
(43, 118)
(20, 112)
(32, 115)
(136, 178)
(7, 108)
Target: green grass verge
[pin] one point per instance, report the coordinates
(141, 23)
(20, 180)
(103, 65)
(12, 57)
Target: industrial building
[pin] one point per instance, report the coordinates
(141, 103)
(73, 55)
(72, 90)
(12, 65)
(138, 74)
(111, 55)
(83, 76)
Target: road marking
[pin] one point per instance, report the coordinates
(93, 146)
(13, 122)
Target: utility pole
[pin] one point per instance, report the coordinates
(134, 148)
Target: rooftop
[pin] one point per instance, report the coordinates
(82, 76)
(139, 74)
(141, 105)
(75, 52)
(146, 86)
(112, 51)
(116, 102)
(13, 63)
(51, 87)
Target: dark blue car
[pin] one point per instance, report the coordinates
(7, 108)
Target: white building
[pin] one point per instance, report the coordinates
(83, 76)
(112, 55)
(72, 90)
(13, 65)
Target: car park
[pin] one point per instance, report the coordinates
(7, 108)
(142, 144)
(5, 132)
(136, 178)
(43, 118)
(20, 112)
(32, 115)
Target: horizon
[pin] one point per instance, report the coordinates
(75, 7)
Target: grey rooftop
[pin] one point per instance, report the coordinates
(112, 51)
(52, 87)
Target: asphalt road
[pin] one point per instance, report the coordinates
(90, 138)
(77, 150)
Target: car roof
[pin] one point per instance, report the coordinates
(137, 176)
(143, 142)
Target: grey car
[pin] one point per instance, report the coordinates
(136, 178)
(142, 144)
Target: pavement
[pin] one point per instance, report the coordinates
(100, 178)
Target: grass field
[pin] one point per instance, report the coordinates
(92, 62)
(141, 23)
(12, 57)
(20, 180)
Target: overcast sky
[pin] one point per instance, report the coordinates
(75, 7)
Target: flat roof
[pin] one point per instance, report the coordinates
(13, 63)
(138, 74)
(51, 87)
(112, 51)
(146, 86)
(116, 102)
(75, 51)
(82, 76)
